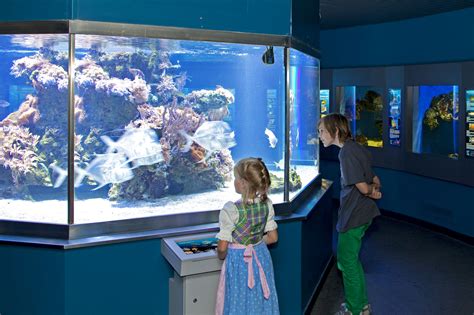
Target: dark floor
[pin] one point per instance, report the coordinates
(409, 271)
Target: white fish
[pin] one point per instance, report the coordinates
(4, 103)
(137, 73)
(272, 139)
(81, 173)
(62, 174)
(109, 168)
(280, 165)
(140, 145)
(212, 136)
(297, 138)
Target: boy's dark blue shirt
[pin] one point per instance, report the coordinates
(355, 208)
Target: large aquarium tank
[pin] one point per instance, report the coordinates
(435, 119)
(148, 126)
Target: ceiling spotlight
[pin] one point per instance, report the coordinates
(268, 57)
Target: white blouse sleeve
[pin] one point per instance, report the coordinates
(271, 224)
(228, 217)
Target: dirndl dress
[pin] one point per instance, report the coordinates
(247, 283)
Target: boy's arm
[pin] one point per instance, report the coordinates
(369, 190)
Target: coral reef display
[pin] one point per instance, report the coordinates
(441, 108)
(277, 183)
(115, 92)
(437, 132)
(142, 131)
(369, 109)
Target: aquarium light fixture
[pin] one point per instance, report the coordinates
(268, 57)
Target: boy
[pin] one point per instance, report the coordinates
(359, 187)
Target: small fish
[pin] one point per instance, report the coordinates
(62, 174)
(272, 139)
(312, 140)
(137, 73)
(280, 165)
(4, 104)
(212, 136)
(297, 138)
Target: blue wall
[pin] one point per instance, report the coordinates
(29, 10)
(256, 16)
(126, 278)
(442, 203)
(443, 37)
(31, 280)
(264, 16)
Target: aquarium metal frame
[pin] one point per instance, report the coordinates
(74, 231)
(286, 176)
(71, 130)
(152, 31)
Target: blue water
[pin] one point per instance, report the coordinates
(125, 83)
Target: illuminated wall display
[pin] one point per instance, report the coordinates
(435, 118)
(470, 123)
(324, 97)
(363, 107)
(394, 116)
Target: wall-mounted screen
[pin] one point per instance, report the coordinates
(324, 97)
(394, 103)
(435, 117)
(470, 123)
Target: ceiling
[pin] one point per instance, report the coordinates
(345, 13)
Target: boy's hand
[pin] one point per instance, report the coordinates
(376, 194)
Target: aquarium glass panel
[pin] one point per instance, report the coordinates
(369, 116)
(33, 127)
(324, 97)
(470, 123)
(161, 123)
(304, 117)
(394, 115)
(435, 117)
(346, 104)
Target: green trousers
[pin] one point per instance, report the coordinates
(348, 248)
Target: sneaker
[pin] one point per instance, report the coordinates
(367, 310)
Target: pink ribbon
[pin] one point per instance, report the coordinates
(221, 292)
(249, 254)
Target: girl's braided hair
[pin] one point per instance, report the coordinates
(255, 173)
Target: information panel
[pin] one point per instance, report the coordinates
(470, 123)
(324, 96)
(394, 116)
